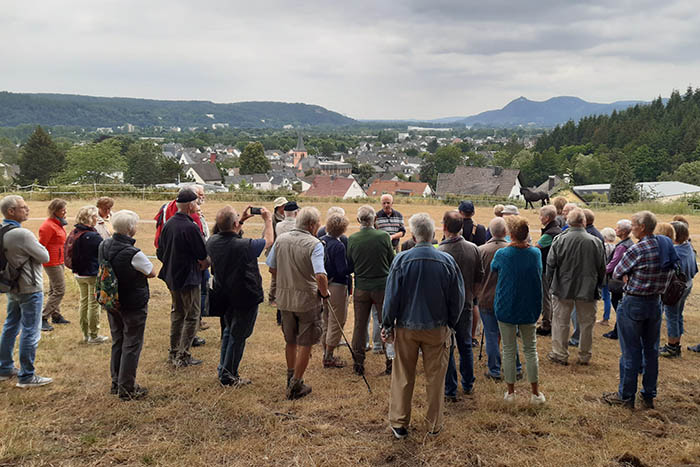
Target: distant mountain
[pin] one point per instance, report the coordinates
(94, 112)
(549, 113)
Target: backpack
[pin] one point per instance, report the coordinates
(9, 276)
(106, 285)
(676, 288)
(160, 221)
(72, 237)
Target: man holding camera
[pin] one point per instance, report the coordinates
(237, 290)
(296, 260)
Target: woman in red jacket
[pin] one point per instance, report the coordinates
(53, 236)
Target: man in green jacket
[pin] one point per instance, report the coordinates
(370, 254)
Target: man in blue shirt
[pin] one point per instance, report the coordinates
(423, 301)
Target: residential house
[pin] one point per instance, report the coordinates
(257, 181)
(332, 186)
(399, 188)
(203, 173)
(335, 168)
(480, 181)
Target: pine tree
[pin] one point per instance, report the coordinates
(253, 160)
(40, 159)
(623, 188)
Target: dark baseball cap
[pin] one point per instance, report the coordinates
(291, 206)
(466, 206)
(186, 196)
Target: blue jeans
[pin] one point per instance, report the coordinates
(493, 353)
(638, 328)
(674, 314)
(607, 303)
(575, 336)
(23, 311)
(463, 338)
(239, 327)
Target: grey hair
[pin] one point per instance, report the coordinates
(184, 207)
(625, 225)
(608, 234)
(497, 227)
(645, 219)
(335, 210)
(366, 215)
(308, 217)
(9, 202)
(125, 221)
(387, 195)
(548, 210)
(576, 218)
(422, 227)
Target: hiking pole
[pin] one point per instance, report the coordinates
(481, 345)
(352, 354)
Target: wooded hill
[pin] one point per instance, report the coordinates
(93, 112)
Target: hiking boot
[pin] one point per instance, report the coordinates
(543, 331)
(45, 326)
(290, 375)
(203, 325)
(611, 335)
(538, 399)
(670, 351)
(647, 402)
(59, 319)
(389, 365)
(377, 351)
(359, 369)
(172, 358)
(613, 398)
(333, 362)
(399, 432)
(137, 393)
(14, 372)
(236, 382)
(198, 341)
(98, 340)
(187, 360)
(297, 389)
(553, 358)
(114, 389)
(453, 399)
(694, 348)
(36, 381)
(493, 377)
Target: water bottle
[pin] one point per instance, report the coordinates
(390, 352)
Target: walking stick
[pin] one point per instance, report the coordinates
(481, 345)
(354, 360)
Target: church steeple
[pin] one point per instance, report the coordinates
(300, 145)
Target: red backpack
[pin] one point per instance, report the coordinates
(68, 247)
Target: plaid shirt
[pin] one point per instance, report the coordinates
(390, 223)
(643, 266)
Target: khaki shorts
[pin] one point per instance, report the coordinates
(303, 329)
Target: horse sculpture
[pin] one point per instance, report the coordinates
(532, 195)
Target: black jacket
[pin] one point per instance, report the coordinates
(180, 246)
(475, 235)
(85, 251)
(119, 250)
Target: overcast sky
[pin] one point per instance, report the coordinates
(363, 58)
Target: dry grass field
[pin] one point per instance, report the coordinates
(189, 419)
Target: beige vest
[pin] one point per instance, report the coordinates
(296, 281)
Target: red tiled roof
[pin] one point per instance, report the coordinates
(326, 185)
(379, 187)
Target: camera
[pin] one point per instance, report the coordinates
(254, 211)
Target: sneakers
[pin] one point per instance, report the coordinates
(359, 369)
(670, 351)
(543, 331)
(97, 340)
(333, 362)
(45, 326)
(573, 343)
(187, 360)
(114, 389)
(236, 382)
(172, 358)
(553, 358)
(297, 389)
(647, 402)
(290, 374)
(11, 375)
(59, 319)
(611, 335)
(509, 397)
(538, 399)
(694, 348)
(198, 341)
(613, 398)
(137, 393)
(399, 432)
(493, 377)
(36, 381)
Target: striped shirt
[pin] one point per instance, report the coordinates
(390, 223)
(642, 263)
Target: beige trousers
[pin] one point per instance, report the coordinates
(435, 344)
(333, 325)
(561, 319)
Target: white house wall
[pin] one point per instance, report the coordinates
(515, 191)
(355, 191)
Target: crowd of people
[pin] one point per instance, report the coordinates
(429, 299)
